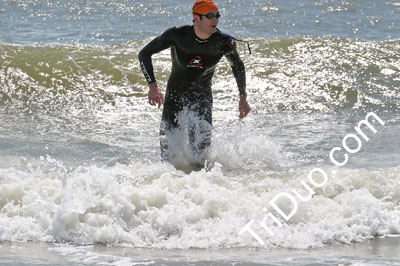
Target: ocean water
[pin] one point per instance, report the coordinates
(81, 181)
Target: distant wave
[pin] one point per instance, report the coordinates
(290, 74)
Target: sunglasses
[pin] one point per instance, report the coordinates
(210, 15)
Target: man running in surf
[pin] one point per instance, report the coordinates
(195, 51)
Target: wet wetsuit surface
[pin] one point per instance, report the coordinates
(193, 65)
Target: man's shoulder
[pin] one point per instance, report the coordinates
(224, 36)
(174, 34)
(181, 30)
(226, 40)
(184, 28)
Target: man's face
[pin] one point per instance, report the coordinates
(208, 26)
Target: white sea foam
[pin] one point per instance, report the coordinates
(155, 205)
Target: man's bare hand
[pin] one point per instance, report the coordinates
(155, 95)
(244, 107)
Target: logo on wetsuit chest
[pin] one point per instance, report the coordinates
(196, 62)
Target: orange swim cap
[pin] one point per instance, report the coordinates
(204, 6)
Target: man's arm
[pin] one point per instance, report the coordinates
(155, 46)
(239, 73)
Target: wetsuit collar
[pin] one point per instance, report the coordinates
(198, 39)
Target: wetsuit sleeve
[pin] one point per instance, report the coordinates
(158, 44)
(237, 65)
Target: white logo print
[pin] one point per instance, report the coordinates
(196, 62)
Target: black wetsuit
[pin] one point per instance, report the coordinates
(189, 85)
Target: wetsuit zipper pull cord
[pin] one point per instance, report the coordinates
(239, 40)
(248, 44)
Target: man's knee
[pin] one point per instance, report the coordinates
(200, 135)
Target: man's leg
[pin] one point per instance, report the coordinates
(168, 125)
(200, 130)
(164, 141)
(200, 135)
